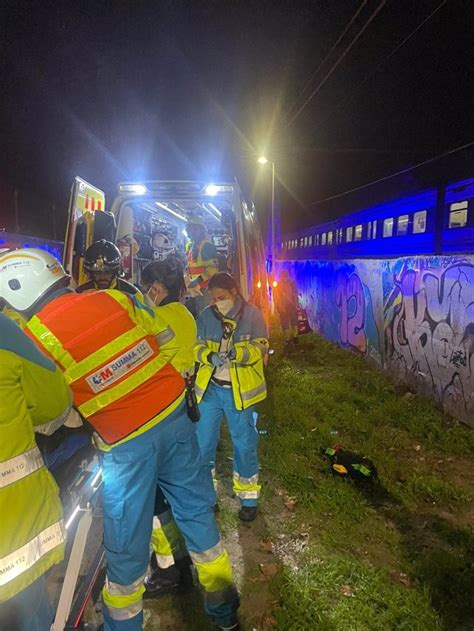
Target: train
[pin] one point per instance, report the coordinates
(435, 221)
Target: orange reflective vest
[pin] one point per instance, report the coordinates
(205, 268)
(119, 379)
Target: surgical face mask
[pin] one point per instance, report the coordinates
(149, 301)
(224, 306)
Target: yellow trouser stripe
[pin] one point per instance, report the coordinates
(110, 395)
(214, 575)
(50, 342)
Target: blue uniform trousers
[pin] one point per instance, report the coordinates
(216, 403)
(168, 456)
(29, 610)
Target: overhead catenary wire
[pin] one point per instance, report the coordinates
(338, 61)
(389, 177)
(385, 59)
(315, 73)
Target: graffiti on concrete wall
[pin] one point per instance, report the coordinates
(338, 298)
(429, 329)
(414, 317)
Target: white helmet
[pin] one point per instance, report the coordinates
(26, 275)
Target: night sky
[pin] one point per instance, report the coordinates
(117, 91)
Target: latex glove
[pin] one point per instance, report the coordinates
(231, 354)
(217, 359)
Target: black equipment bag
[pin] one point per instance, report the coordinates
(349, 464)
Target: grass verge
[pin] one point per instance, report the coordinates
(397, 555)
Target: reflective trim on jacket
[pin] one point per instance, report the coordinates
(33, 394)
(250, 343)
(199, 267)
(109, 347)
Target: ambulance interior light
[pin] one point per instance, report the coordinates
(171, 211)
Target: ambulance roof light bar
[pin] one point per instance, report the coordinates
(137, 189)
(214, 189)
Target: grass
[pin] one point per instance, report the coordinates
(412, 524)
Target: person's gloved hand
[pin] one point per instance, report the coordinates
(231, 354)
(217, 359)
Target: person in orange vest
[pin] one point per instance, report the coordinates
(202, 262)
(112, 349)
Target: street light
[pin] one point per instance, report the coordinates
(264, 160)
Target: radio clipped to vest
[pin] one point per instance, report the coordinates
(191, 399)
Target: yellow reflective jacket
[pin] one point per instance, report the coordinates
(181, 347)
(33, 397)
(250, 344)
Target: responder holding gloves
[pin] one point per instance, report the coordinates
(232, 342)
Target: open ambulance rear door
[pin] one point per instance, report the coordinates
(84, 204)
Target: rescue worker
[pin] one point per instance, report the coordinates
(202, 261)
(112, 349)
(232, 343)
(103, 264)
(34, 397)
(163, 283)
(286, 302)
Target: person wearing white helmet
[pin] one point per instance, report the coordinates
(116, 354)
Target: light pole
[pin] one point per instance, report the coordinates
(264, 160)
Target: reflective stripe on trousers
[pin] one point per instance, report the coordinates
(20, 466)
(246, 488)
(123, 601)
(25, 557)
(166, 540)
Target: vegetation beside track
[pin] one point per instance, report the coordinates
(395, 555)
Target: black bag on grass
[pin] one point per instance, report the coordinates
(349, 464)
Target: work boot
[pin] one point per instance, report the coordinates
(229, 621)
(248, 513)
(164, 580)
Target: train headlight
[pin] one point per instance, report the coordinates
(275, 283)
(259, 284)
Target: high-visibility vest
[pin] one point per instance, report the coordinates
(34, 398)
(119, 379)
(198, 266)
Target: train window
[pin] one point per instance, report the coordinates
(369, 230)
(317, 239)
(402, 225)
(310, 240)
(340, 235)
(374, 229)
(349, 234)
(458, 215)
(301, 242)
(330, 235)
(388, 227)
(419, 222)
(323, 239)
(358, 232)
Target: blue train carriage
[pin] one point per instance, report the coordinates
(434, 221)
(457, 233)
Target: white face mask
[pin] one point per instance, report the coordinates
(148, 301)
(224, 306)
